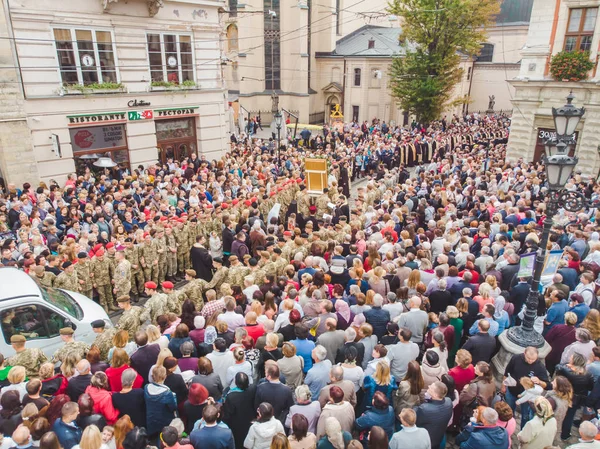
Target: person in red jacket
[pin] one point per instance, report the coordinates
(99, 390)
(119, 363)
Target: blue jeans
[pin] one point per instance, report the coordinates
(526, 412)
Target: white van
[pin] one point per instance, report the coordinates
(39, 313)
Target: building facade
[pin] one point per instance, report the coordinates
(558, 25)
(136, 81)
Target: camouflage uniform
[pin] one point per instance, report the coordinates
(193, 291)
(174, 301)
(171, 269)
(322, 207)
(132, 320)
(218, 279)
(122, 278)
(270, 269)
(103, 272)
(280, 264)
(181, 237)
(303, 200)
(30, 358)
(155, 306)
(161, 249)
(83, 268)
(137, 275)
(104, 342)
(150, 256)
(237, 274)
(78, 347)
(47, 279)
(67, 281)
(258, 275)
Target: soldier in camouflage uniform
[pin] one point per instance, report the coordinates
(171, 255)
(102, 270)
(43, 277)
(219, 276)
(67, 280)
(121, 279)
(137, 274)
(237, 272)
(280, 262)
(149, 259)
(175, 298)
(70, 346)
(181, 238)
(156, 305)
(256, 273)
(132, 318)
(161, 248)
(83, 268)
(321, 203)
(29, 358)
(103, 338)
(303, 201)
(111, 252)
(194, 288)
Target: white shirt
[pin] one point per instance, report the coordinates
(233, 320)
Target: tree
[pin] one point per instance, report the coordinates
(435, 34)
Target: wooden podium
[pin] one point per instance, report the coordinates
(316, 175)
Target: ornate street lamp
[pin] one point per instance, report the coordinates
(566, 118)
(559, 168)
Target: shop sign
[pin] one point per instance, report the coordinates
(546, 133)
(96, 118)
(176, 112)
(97, 137)
(137, 103)
(140, 115)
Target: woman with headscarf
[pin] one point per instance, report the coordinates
(344, 314)
(500, 315)
(334, 438)
(539, 432)
(210, 335)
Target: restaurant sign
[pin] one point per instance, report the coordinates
(96, 118)
(176, 112)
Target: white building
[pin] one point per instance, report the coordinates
(556, 26)
(137, 81)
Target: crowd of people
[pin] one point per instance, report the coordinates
(256, 316)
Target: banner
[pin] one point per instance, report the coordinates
(552, 260)
(526, 265)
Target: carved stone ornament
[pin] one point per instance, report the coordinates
(154, 6)
(106, 3)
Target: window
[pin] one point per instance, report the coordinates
(232, 38)
(355, 114)
(371, 43)
(85, 56)
(469, 73)
(580, 29)
(233, 8)
(34, 322)
(487, 53)
(171, 58)
(272, 45)
(62, 301)
(357, 77)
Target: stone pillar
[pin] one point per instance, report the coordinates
(17, 161)
(521, 142)
(507, 350)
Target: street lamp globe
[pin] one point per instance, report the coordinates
(555, 147)
(278, 119)
(558, 170)
(567, 117)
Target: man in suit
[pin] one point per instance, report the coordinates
(457, 289)
(79, 383)
(518, 295)
(275, 393)
(144, 358)
(509, 271)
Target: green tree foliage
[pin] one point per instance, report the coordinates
(435, 33)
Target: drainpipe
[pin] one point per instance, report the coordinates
(343, 87)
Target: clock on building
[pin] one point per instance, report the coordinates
(172, 61)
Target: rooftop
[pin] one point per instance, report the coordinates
(384, 43)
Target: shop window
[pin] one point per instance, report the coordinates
(85, 56)
(93, 142)
(34, 322)
(580, 29)
(171, 57)
(357, 74)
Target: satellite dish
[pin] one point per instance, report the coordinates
(105, 162)
(89, 156)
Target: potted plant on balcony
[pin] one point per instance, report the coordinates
(571, 65)
(94, 88)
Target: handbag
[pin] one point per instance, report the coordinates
(313, 330)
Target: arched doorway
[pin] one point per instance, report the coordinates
(332, 100)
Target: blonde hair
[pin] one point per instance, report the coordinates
(91, 438)
(382, 374)
(153, 333)
(162, 355)
(272, 340)
(47, 370)
(463, 358)
(526, 382)
(16, 375)
(67, 368)
(492, 281)
(413, 279)
(452, 312)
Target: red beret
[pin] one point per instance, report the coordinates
(299, 180)
(163, 218)
(150, 285)
(312, 208)
(146, 235)
(100, 252)
(272, 193)
(248, 203)
(253, 199)
(224, 206)
(167, 284)
(279, 189)
(287, 233)
(209, 206)
(97, 247)
(180, 220)
(110, 245)
(184, 215)
(235, 202)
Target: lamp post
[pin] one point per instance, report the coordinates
(278, 123)
(559, 167)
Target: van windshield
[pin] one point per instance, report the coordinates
(63, 301)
